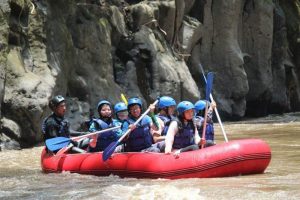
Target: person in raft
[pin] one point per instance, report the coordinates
(166, 110)
(182, 134)
(200, 111)
(105, 121)
(56, 125)
(120, 110)
(140, 138)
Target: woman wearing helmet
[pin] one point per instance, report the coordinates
(120, 110)
(181, 133)
(200, 111)
(166, 108)
(104, 121)
(141, 136)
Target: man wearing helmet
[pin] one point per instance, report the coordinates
(56, 125)
(182, 132)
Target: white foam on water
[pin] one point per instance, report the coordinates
(149, 192)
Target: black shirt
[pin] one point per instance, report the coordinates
(54, 126)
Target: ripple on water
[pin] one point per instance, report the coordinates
(21, 176)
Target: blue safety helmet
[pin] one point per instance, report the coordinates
(184, 106)
(133, 101)
(166, 101)
(200, 105)
(121, 106)
(101, 103)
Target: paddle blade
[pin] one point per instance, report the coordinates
(124, 99)
(54, 144)
(64, 150)
(108, 151)
(210, 78)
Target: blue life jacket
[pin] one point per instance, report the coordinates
(167, 121)
(104, 139)
(140, 138)
(209, 131)
(89, 122)
(120, 123)
(185, 136)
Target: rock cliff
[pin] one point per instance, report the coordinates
(89, 50)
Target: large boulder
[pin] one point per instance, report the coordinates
(292, 62)
(25, 101)
(10, 135)
(279, 101)
(220, 52)
(257, 45)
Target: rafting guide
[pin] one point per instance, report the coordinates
(56, 126)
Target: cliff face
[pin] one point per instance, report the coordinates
(92, 50)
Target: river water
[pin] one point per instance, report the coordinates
(21, 176)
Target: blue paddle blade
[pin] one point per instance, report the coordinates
(209, 84)
(57, 143)
(108, 151)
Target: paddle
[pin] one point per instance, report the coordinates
(124, 99)
(94, 133)
(210, 77)
(54, 144)
(67, 148)
(108, 151)
(216, 110)
(59, 143)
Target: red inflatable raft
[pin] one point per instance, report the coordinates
(239, 157)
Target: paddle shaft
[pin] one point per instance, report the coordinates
(216, 110)
(136, 122)
(97, 132)
(67, 148)
(207, 94)
(204, 123)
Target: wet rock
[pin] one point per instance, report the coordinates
(10, 135)
(96, 50)
(189, 35)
